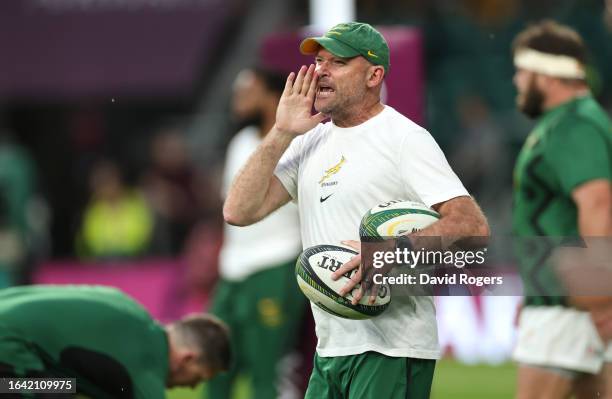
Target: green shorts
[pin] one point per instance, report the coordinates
(370, 375)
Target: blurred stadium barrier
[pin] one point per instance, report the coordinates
(157, 284)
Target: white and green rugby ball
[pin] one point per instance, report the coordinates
(313, 270)
(394, 218)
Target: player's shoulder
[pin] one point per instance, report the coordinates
(583, 115)
(401, 124)
(588, 106)
(322, 129)
(581, 130)
(314, 137)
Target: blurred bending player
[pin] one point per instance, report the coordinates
(562, 189)
(257, 294)
(105, 340)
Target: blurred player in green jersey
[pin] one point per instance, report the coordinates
(105, 340)
(562, 188)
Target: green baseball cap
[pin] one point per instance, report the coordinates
(349, 40)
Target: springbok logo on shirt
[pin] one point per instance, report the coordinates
(333, 170)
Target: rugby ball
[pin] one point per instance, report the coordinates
(394, 218)
(313, 271)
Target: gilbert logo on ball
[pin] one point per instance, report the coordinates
(313, 270)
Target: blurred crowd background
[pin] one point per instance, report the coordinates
(115, 116)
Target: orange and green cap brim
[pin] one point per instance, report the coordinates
(339, 48)
(311, 45)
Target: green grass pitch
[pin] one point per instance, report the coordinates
(451, 381)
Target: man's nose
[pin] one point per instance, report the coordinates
(321, 69)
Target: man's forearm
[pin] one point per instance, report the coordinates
(248, 191)
(461, 219)
(594, 202)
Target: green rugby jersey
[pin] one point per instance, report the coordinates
(98, 335)
(571, 144)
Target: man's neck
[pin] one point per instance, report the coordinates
(564, 95)
(358, 115)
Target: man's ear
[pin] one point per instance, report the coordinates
(185, 356)
(190, 356)
(376, 73)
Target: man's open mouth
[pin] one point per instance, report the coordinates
(324, 90)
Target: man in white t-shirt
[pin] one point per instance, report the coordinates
(257, 294)
(367, 154)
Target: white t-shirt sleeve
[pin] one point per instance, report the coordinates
(425, 170)
(288, 167)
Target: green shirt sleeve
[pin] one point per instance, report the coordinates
(578, 152)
